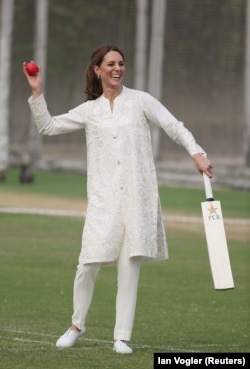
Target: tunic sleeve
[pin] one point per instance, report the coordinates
(74, 120)
(158, 114)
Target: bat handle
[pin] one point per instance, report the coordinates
(208, 188)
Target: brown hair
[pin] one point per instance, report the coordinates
(93, 84)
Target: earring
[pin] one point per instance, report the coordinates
(99, 77)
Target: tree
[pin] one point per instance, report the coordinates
(40, 56)
(156, 61)
(141, 44)
(5, 66)
(247, 89)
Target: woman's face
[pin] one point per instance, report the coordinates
(112, 70)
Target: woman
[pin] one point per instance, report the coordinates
(123, 224)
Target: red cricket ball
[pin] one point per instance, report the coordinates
(32, 68)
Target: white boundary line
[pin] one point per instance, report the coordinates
(37, 211)
(82, 214)
(105, 342)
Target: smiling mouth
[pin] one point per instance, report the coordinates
(115, 76)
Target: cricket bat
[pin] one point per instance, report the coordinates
(216, 240)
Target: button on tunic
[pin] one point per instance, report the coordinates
(123, 200)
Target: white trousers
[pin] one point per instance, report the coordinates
(128, 270)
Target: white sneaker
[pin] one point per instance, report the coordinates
(122, 348)
(69, 338)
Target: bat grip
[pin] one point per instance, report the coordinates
(208, 188)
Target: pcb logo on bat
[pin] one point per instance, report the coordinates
(213, 215)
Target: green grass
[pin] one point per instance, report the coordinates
(48, 183)
(235, 204)
(178, 309)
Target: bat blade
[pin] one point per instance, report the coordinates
(217, 245)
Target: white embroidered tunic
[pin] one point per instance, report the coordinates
(123, 200)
